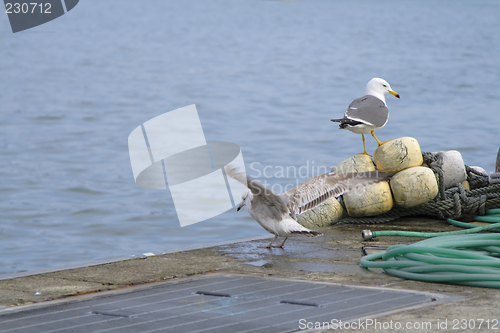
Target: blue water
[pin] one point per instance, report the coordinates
(266, 75)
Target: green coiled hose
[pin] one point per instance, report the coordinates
(472, 228)
(468, 258)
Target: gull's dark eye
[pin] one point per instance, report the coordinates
(385, 86)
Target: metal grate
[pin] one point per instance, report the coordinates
(214, 304)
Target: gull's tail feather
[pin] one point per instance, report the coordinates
(307, 233)
(292, 227)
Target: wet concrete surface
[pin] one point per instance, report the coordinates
(330, 258)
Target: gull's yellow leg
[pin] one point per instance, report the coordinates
(280, 246)
(364, 147)
(268, 246)
(379, 143)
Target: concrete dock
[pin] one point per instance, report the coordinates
(332, 258)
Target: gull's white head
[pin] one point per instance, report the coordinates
(379, 87)
(246, 197)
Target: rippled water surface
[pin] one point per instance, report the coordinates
(267, 75)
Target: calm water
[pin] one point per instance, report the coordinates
(267, 75)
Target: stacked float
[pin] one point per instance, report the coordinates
(413, 183)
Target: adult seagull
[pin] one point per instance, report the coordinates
(368, 113)
(277, 212)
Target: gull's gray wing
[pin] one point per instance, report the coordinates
(264, 200)
(318, 189)
(368, 110)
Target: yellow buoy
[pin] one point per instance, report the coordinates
(331, 211)
(466, 185)
(414, 186)
(356, 163)
(369, 200)
(397, 155)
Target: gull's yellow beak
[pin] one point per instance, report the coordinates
(392, 92)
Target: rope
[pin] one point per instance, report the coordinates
(456, 202)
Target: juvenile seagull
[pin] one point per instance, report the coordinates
(368, 113)
(277, 212)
